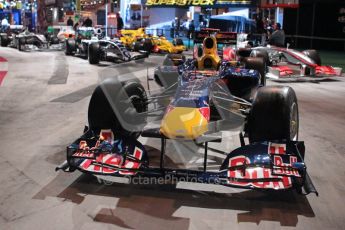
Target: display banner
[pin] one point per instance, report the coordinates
(202, 3)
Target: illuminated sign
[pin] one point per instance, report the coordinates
(179, 2)
(182, 3)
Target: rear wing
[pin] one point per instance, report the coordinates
(229, 38)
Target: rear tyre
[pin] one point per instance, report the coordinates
(274, 115)
(313, 55)
(94, 53)
(257, 63)
(70, 46)
(120, 110)
(243, 53)
(20, 44)
(260, 53)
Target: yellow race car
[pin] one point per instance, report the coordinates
(129, 37)
(139, 40)
(162, 45)
(136, 40)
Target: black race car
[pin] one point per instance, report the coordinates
(22, 39)
(89, 44)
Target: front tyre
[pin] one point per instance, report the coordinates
(118, 106)
(70, 47)
(94, 53)
(21, 44)
(274, 115)
(136, 46)
(4, 40)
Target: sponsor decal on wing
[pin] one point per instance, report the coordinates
(243, 172)
(248, 176)
(279, 166)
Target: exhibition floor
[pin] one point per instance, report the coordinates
(43, 108)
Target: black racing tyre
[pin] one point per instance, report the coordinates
(4, 40)
(20, 44)
(70, 46)
(136, 46)
(244, 52)
(258, 64)
(94, 53)
(313, 55)
(178, 42)
(148, 45)
(274, 115)
(262, 54)
(54, 40)
(120, 110)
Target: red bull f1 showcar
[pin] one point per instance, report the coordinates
(209, 96)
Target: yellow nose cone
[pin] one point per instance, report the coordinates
(185, 123)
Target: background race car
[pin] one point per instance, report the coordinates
(89, 44)
(139, 40)
(286, 64)
(162, 45)
(18, 37)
